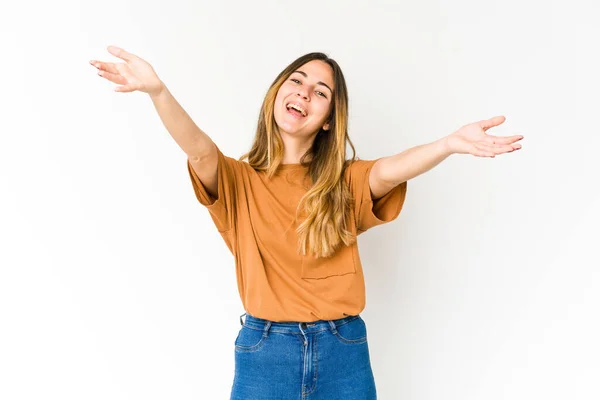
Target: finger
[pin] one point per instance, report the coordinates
(482, 152)
(491, 139)
(119, 52)
(498, 148)
(116, 78)
(489, 123)
(126, 88)
(515, 146)
(105, 66)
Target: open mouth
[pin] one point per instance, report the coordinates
(296, 110)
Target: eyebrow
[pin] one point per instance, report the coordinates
(318, 83)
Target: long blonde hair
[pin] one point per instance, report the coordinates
(328, 203)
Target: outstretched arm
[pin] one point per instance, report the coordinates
(389, 172)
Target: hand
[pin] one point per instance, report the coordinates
(133, 74)
(472, 139)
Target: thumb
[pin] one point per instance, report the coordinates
(119, 52)
(487, 124)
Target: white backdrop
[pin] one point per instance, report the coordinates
(114, 283)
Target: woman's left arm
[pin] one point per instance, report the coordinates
(389, 172)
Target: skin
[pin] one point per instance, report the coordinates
(472, 139)
(298, 134)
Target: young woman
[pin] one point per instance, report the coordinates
(290, 214)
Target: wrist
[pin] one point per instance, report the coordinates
(158, 91)
(444, 144)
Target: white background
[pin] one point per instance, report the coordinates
(115, 284)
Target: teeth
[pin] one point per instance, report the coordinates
(297, 107)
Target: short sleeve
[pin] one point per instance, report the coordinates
(369, 212)
(221, 208)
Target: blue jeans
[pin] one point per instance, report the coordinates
(298, 361)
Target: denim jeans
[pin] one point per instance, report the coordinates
(298, 361)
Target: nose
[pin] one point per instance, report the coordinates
(302, 93)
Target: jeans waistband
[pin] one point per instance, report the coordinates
(294, 327)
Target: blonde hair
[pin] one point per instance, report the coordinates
(328, 203)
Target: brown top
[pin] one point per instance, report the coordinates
(254, 215)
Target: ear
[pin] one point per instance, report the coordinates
(327, 125)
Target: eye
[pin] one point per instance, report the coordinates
(318, 92)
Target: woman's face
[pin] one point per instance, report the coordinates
(309, 89)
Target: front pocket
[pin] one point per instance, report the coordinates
(249, 340)
(342, 262)
(352, 332)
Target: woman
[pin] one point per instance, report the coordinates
(290, 214)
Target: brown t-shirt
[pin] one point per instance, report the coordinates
(254, 215)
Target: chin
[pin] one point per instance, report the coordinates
(285, 127)
(288, 132)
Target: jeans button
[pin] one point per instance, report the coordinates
(303, 325)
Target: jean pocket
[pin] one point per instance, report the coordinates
(249, 340)
(341, 263)
(352, 332)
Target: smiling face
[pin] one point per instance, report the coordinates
(304, 100)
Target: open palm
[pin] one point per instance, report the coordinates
(134, 74)
(473, 139)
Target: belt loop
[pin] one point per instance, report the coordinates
(332, 326)
(242, 322)
(266, 330)
(303, 334)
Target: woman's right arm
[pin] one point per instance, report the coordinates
(198, 146)
(138, 74)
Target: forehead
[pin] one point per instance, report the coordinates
(318, 71)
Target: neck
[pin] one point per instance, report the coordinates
(295, 147)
